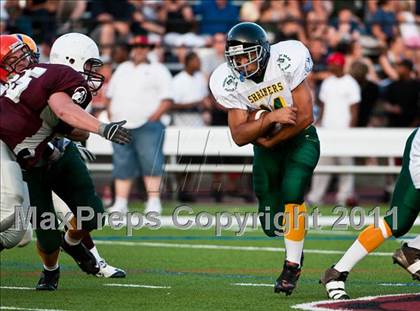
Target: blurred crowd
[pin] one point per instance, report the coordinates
(375, 36)
(159, 54)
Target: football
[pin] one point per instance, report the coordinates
(257, 114)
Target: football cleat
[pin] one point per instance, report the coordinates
(334, 283)
(288, 278)
(107, 271)
(48, 280)
(408, 258)
(82, 256)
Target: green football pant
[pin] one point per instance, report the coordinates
(69, 178)
(406, 198)
(281, 176)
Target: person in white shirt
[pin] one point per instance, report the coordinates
(339, 96)
(190, 94)
(190, 91)
(139, 91)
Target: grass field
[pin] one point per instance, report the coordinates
(193, 270)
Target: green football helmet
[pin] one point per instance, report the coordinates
(250, 40)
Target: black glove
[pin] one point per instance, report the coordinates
(115, 132)
(86, 155)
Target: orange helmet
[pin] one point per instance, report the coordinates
(10, 59)
(30, 43)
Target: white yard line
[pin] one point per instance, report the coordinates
(393, 284)
(224, 247)
(17, 287)
(252, 284)
(135, 285)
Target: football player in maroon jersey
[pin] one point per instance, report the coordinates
(38, 99)
(62, 46)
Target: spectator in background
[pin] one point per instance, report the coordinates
(189, 102)
(180, 24)
(321, 8)
(339, 97)
(272, 13)
(178, 16)
(318, 50)
(407, 19)
(113, 17)
(403, 98)
(250, 10)
(3, 17)
(42, 14)
(188, 109)
(120, 53)
(344, 28)
(139, 92)
(356, 55)
(290, 29)
(217, 16)
(384, 21)
(214, 56)
(316, 26)
(369, 92)
(390, 57)
(68, 14)
(146, 18)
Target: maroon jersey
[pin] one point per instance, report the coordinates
(26, 121)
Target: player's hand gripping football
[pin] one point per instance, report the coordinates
(286, 115)
(115, 132)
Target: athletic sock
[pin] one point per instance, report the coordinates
(55, 267)
(414, 243)
(294, 234)
(367, 241)
(121, 203)
(353, 255)
(95, 253)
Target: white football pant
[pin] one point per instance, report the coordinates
(14, 196)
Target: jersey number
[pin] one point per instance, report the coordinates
(279, 102)
(18, 83)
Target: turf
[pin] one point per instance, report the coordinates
(198, 278)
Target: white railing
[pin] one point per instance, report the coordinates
(216, 141)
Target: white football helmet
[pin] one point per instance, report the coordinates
(82, 54)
